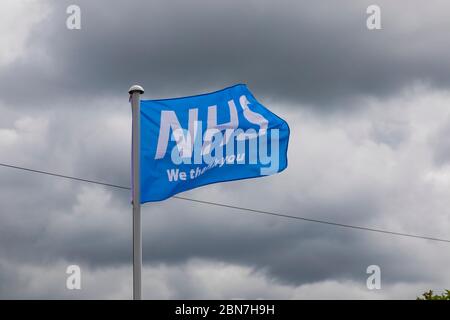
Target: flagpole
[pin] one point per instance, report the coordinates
(135, 92)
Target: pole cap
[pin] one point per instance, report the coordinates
(135, 88)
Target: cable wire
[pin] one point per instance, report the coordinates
(336, 224)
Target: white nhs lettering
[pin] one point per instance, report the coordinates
(185, 139)
(192, 147)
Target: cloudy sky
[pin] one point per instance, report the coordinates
(369, 112)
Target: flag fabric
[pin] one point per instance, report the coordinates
(194, 141)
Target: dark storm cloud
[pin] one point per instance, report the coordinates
(91, 225)
(74, 119)
(299, 51)
(88, 225)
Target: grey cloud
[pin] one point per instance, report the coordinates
(290, 51)
(391, 133)
(92, 225)
(441, 143)
(352, 166)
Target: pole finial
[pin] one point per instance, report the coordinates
(135, 88)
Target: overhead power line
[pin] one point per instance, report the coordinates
(255, 211)
(64, 176)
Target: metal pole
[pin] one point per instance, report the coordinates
(135, 92)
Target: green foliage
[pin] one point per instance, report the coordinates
(430, 296)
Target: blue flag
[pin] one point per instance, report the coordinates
(220, 136)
